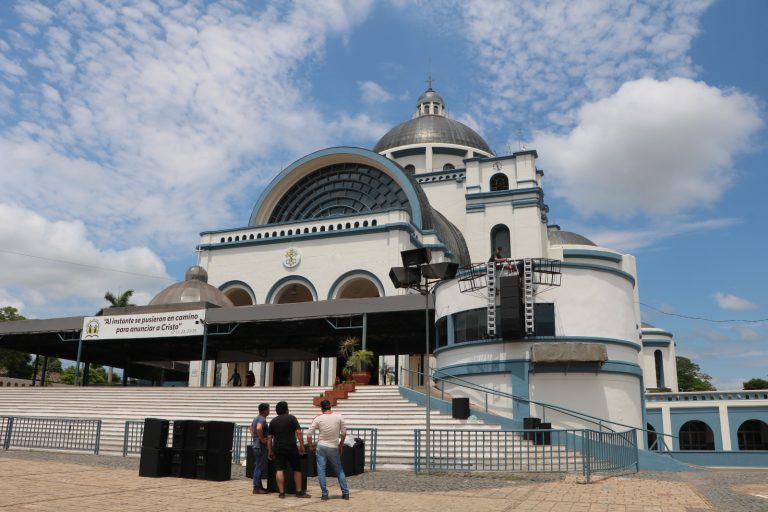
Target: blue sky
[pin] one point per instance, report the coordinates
(126, 128)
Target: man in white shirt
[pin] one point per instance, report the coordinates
(331, 432)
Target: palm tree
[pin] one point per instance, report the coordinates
(119, 301)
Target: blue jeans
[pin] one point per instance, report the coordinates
(324, 456)
(259, 466)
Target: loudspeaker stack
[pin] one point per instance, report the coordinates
(511, 308)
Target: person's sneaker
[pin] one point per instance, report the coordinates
(324, 498)
(281, 495)
(302, 494)
(345, 496)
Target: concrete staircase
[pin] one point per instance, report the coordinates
(381, 407)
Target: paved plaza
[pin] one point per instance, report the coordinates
(66, 482)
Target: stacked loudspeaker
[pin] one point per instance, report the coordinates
(200, 449)
(511, 308)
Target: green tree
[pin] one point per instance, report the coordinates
(690, 377)
(756, 384)
(17, 364)
(119, 301)
(96, 376)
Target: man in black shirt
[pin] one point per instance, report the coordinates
(284, 433)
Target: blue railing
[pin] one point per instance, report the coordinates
(703, 396)
(609, 452)
(134, 431)
(70, 434)
(542, 451)
(600, 423)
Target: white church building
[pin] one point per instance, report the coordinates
(332, 224)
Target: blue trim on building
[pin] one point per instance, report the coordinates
(431, 174)
(291, 279)
(239, 284)
(442, 150)
(409, 152)
(592, 254)
(395, 171)
(609, 366)
(505, 157)
(356, 272)
(481, 367)
(656, 331)
(504, 193)
(656, 343)
(718, 458)
(600, 268)
(537, 339)
(474, 208)
(521, 387)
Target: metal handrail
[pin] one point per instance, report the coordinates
(75, 434)
(568, 412)
(540, 451)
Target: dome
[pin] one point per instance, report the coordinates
(430, 96)
(431, 129)
(557, 237)
(194, 288)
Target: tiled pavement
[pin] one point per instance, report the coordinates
(62, 482)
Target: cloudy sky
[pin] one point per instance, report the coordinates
(126, 128)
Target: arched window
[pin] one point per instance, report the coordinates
(500, 238)
(410, 168)
(657, 357)
(652, 437)
(696, 435)
(448, 167)
(753, 435)
(499, 182)
(358, 288)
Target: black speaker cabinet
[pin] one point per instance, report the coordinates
(543, 437)
(155, 433)
(509, 290)
(180, 433)
(416, 257)
(155, 462)
(347, 463)
(183, 463)
(213, 465)
(460, 408)
(359, 456)
(220, 435)
(249, 461)
(530, 424)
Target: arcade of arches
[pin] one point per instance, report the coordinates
(286, 373)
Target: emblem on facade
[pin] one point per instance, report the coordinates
(92, 329)
(291, 258)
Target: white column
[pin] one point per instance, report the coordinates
(725, 427)
(428, 162)
(666, 422)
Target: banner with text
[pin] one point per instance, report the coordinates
(147, 325)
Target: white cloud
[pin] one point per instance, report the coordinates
(155, 121)
(372, 92)
(656, 147)
(733, 303)
(547, 58)
(45, 263)
(633, 239)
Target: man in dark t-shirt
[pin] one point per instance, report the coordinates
(284, 434)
